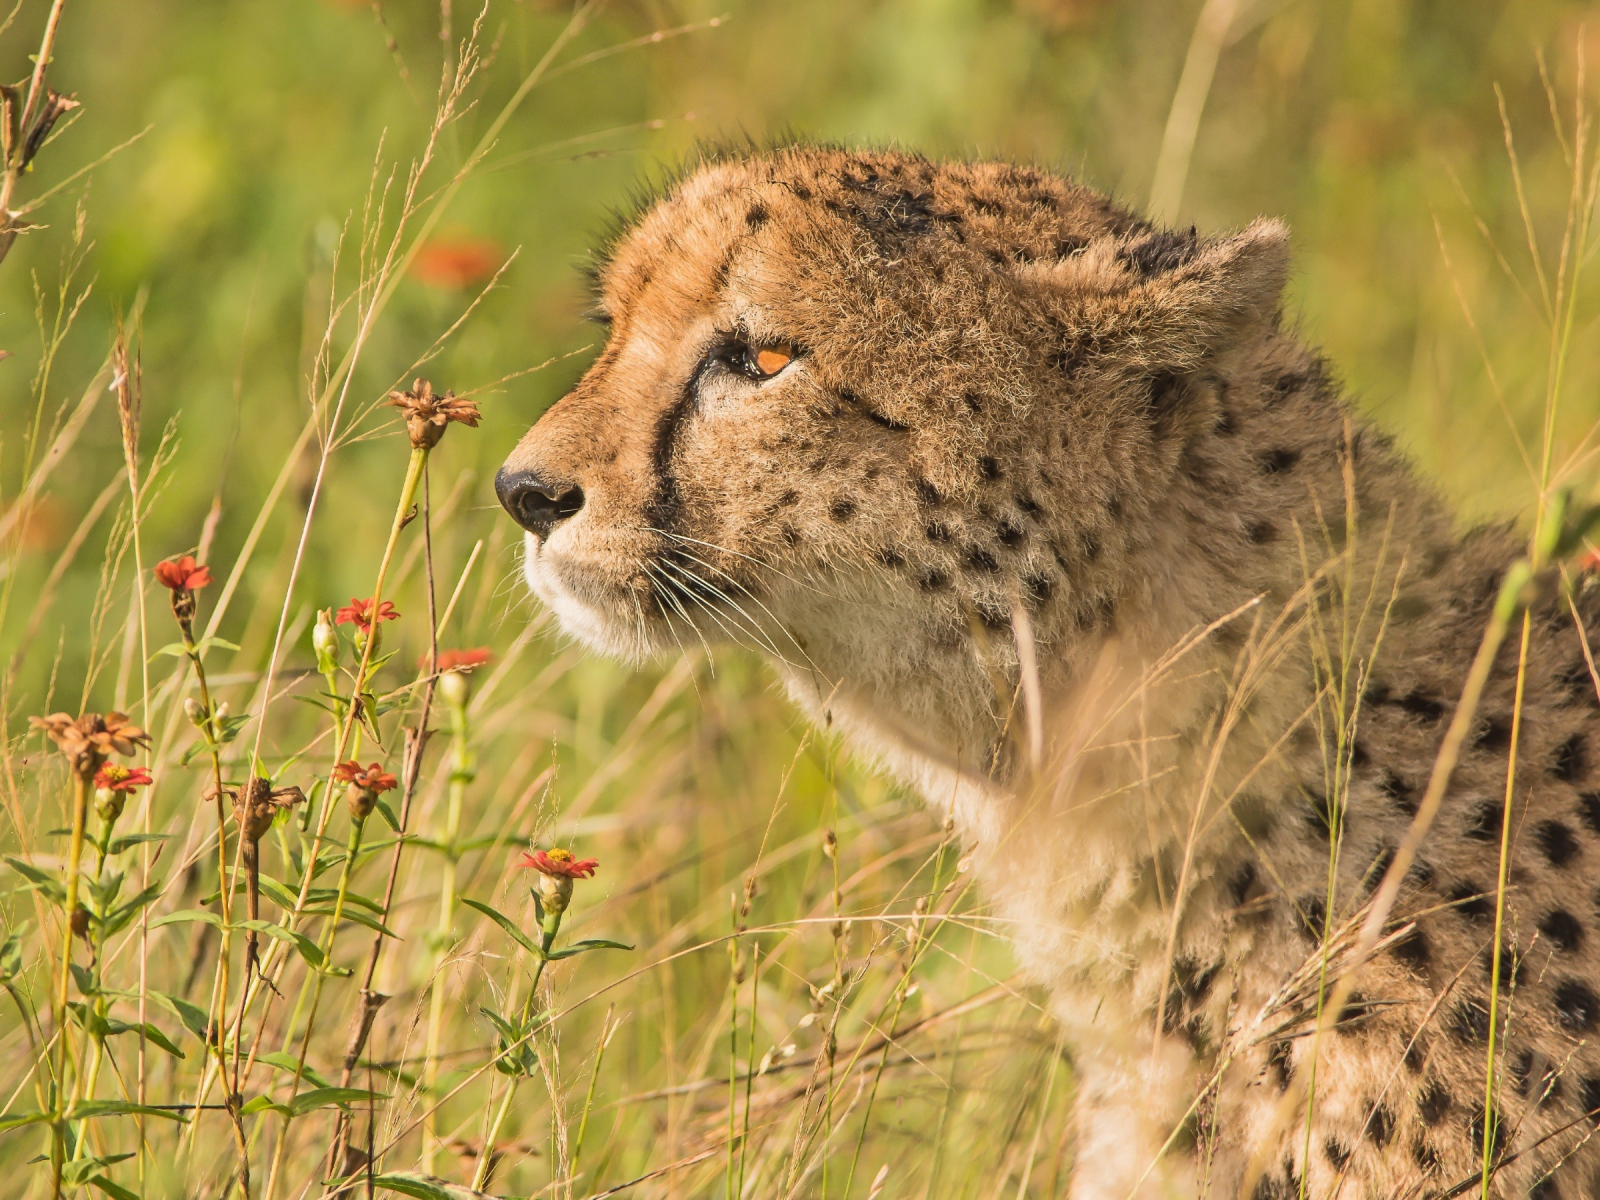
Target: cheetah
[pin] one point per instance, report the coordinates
(1045, 509)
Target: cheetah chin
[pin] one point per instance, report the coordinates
(1047, 509)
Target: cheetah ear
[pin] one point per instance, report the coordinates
(1139, 311)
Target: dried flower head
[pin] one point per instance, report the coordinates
(360, 614)
(557, 869)
(256, 803)
(91, 739)
(365, 786)
(427, 414)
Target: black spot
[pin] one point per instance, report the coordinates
(1379, 868)
(1589, 810)
(1029, 507)
(937, 531)
(926, 492)
(980, 559)
(1545, 1189)
(1280, 1058)
(1571, 758)
(1433, 1103)
(1039, 588)
(789, 535)
(877, 418)
(1091, 547)
(1577, 1006)
(1166, 389)
(789, 497)
(1261, 532)
(988, 467)
(1398, 792)
(842, 509)
(1493, 735)
(973, 401)
(1419, 705)
(756, 216)
(799, 191)
(1275, 462)
(1413, 949)
(1358, 755)
(1557, 842)
(1312, 916)
(1563, 929)
(1513, 971)
(1421, 874)
(994, 619)
(1468, 900)
(1424, 1156)
(1589, 1095)
(1159, 252)
(1416, 1055)
(1380, 1126)
(1497, 1131)
(890, 557)
(1534, 1078)
(1242, 883)
(1487, 818)
(934, 581)
(1011, 535)
(1338, 1153)
(1469, 1021)
(1322, 817)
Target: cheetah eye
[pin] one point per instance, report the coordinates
(761, 362)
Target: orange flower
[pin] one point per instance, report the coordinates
(182, 574)
(559, 864)
(359, 613)
(457, 262)
(114, 777)
(91, 739)
(373, 778)
(427, 414)
(462, 660)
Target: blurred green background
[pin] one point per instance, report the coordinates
(1372, 126)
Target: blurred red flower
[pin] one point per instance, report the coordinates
(559, 864)
(373, 778)
(359, 613)
(461, 660)
(116, 778)
(457, 262)
(182, 574)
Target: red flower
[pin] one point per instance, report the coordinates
(559, 864)
(115, 778)
(457, 262)
(371, 779)
(359, 613)
(182, 574)
(462, 660)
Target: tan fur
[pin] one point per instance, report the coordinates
(1024, 421)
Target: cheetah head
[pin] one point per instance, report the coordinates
(856, 409)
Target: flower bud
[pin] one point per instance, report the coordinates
(325, 641)
(454, 689)
(108, 804)
(555, 891)
(360, 801)
(195, 711)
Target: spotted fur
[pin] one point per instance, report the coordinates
(1021, 421)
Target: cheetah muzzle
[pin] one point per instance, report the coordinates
(1044, 508)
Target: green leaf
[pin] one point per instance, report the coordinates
(288, 1062)
(423, 1187)
(508, 925)
(195, 1019)
(357, 916)
(79, 1171)
(128, 841)
(277, 893)
(507, 1030)
(18, 1120)
(186, 915)
(44, 881)
(11, 957)
(585, 946)
(115, 1190)
(308, 949)
(264, 1104)
(122, 1108)
(84, 979)
(121, 917)
(388, 814)
(148, 1031)
(327, 1097)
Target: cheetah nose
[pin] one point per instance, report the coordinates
(537, 504)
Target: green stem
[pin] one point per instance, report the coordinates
(460, 776)
(552, 923)
(80, 810)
